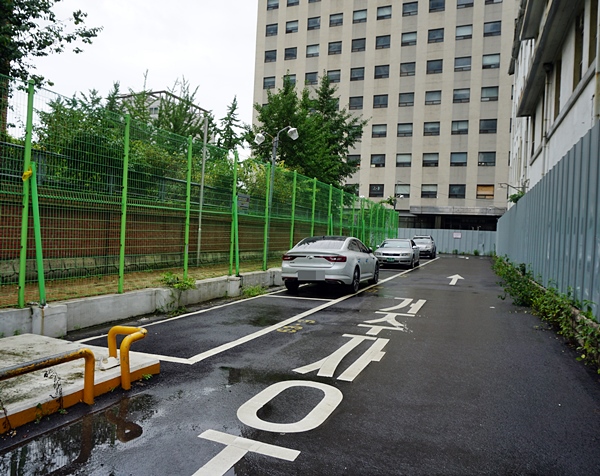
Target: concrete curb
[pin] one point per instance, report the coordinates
(59, 318)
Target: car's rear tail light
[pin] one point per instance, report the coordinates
(334, 259)
(288, 258)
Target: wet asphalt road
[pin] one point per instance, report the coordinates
(413, 376)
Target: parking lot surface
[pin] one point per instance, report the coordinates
(428, 372)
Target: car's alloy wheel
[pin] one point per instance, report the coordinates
(375, 277)
(355, 281)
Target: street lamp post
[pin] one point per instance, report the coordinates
(292, 133)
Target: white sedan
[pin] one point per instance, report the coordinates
(329, 259)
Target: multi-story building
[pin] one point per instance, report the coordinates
(432, 78)
(556, 67)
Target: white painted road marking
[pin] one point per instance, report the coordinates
(454, 279)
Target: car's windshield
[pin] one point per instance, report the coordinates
(425, 241)
(395, 244)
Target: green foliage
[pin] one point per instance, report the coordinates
(515, 197)
(561, 310)
(326, 133)
(252, 291)
(29, 29)
(173, 281)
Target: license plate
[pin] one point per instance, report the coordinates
(390, 259)
(310, 275)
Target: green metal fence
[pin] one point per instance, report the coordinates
(87, 192)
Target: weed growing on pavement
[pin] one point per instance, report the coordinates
(173, 281)
(572, 319)
(252, 291)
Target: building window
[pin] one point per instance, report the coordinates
(491, 61)
(378, 160)
(433, 97)
(485, 192)
(434, 66)
(313, 1)
(334, 75)
(462, 64)
(435, 36)
(402, 190)
(359, 44)
(357, 74)
(359, 16)
(269, 82)
(406, 99)
(488, 126)
(464, 32)
(460, 127)
(380, 101)
(272, 4)
(461, 95)
(437, 5)
(457, 191)
(410, 8)
(356, 102)
(291, 78)
(382, 71)
(353, 159)
(270, 56)
(464, 3)
(409, 38)
(458, 159)
(292, 3)
(382, 42)
(487, 159)
(291, 53)
(405, 130)
(311, 78)
(383, 13)
(490, 2)
(492, 28)
(272, 29)
(407, 69)
(379, 130)
(431, 159)
(312, 51)
(431, 129)
(376, 190)
(403, 160)
(489, 93)
(291, 26)
(314, 23)
(428, 191)
(335, 48)
(336, 19)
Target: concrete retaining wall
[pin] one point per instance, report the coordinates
(56, 319)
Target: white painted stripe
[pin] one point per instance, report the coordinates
(250, 445)
(374, 354)
(301, 298)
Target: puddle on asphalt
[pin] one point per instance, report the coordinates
(235, 375)
(65, 450)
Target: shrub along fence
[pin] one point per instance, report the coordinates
(87, 192)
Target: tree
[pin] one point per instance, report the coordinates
(230, 133)
(29, 28)
(326, 133)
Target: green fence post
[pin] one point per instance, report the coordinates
(341, 212)
(124, 204)
(314, 204)
(329, 217)
(267, 211)
(371, 223)
(234, 244)
(25, 210)
(293, 210)
(188, 203)
(37, 229)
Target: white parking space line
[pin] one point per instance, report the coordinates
(297, 298)
(230, 345)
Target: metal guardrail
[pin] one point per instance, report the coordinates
(133, 334)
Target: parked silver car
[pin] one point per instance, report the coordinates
(426, 245)
(329, 259)
(398, 251)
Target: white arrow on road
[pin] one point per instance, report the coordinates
(455, 279)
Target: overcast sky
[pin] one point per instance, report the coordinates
(209, 42)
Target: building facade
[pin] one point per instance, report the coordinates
(431, 76)
(556, 88)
